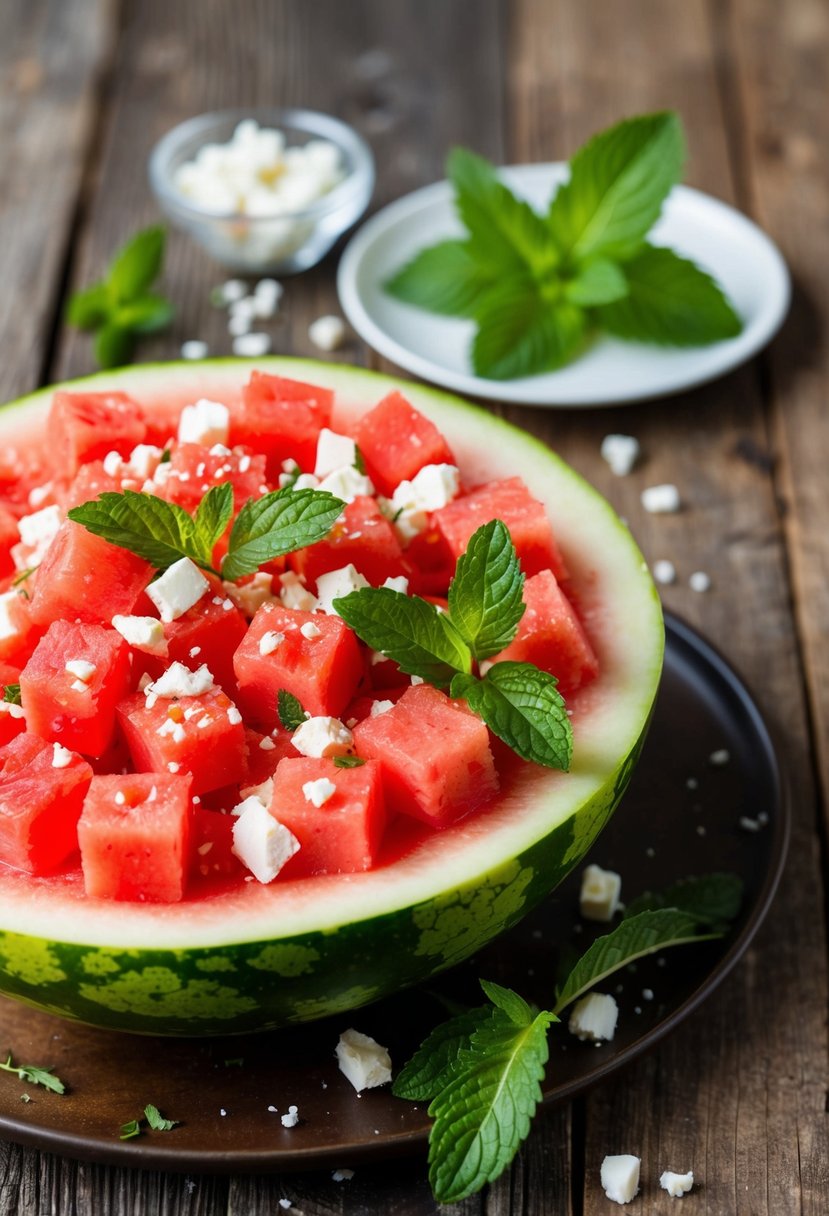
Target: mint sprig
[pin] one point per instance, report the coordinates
(280, 522)
(485, 599)
(521, 705)
(34, 1075)
(157, 1121)
(537, 286)
(121, 308)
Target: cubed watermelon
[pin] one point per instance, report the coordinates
(83, 577)
(18, 632)
(194, 469)
(85, 426)
(362, 537)
(9, 536)
(42, 788)
(209, 632)
(282, 419)
(135, 836)
(551, 636)
(397, 441)
(213, 854)
(91, 480)
(434, 755)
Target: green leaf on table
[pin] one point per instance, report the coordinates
(130, 1130)
(520, 333)
(618, 183)
(670, 301)
(409, 630)
(157, 1121)
(289, 710)
(35, 1075)
(113, 345)
(11, 694)
(425, 1074)
(444, 279)
(712, 899)
(485, 596)
(136, 265)
(146, 315)
(280, 522)
(633, 938)
(89, 309)
(598, 282)
(522, 706)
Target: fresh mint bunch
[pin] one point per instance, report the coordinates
(538, 286)
(121, 308)
(481, 1071)
(519, 702)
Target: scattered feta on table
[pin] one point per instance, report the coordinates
(699, 581)
(620, 1177)
(252, 346)
(676, 1184)
(194, 348)
(661, 500)
(291, 1118)
(621, 452)
(362, 1060)
(342, 1175)
(327, 333)
(600, 892)
(664, 571)
(720, 757)
(593, 1018)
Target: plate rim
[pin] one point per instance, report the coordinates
(732, 352)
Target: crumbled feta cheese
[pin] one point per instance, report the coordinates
(301, 481)
(699, 581)
(342, 1175)
(14, 711)
(180, 681)
(120, 798)
(336, 584)
(79, 686)
(145, 459)
(142, 632)
(61, 756)
(322, 736)
(239, 324)
(362, 1060)
(620, 1177)
(415, 680)
(318, 792)
(380, 707)
(266, 744)
(113, 464)
(664, 571)
(266, 296)
(327, 333)
(173, 766)
(310, 631)
(676, 1184)
(293, 593)
(600, 891)
(346, 483)
(263, 792)
(251, 799)
(81, 669)
(39, 494)
(593, 1018)
(37, 531)
(398, 583)
(661, 500)
(180, 587)
(433, 487)
(269, 642)
(232, 289)
(621, 452)
(252, 595)
(283, 1203)
(748, 824)
(194, 349)
(333, 452)
(220, 449)
(251, 346)
(262, 843)
(205, 422)
(720, 757)
(291, 1118)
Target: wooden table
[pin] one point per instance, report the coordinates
(87, 86)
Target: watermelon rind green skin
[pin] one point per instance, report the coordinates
(273, 956)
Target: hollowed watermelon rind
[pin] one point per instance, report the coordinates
(274, 958)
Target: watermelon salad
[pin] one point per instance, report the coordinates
(220, 808)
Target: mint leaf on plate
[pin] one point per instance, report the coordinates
(425, 1074)
(712, 899)
(409, 630)
(444, 279)
(35, 1075)
(520, 333)
(280, 522)
(157, 1121)
(522, 706)
(670, 301)
(485, 596)
(597, 282)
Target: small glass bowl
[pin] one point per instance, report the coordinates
(253, 244)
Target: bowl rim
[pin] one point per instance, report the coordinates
(360, 179)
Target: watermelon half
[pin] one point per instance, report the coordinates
(255, 957)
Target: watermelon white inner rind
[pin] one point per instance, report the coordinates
(622, 615)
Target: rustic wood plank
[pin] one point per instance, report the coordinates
(733, 1114)
(52, 55)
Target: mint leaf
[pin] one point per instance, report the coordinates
(280, 522)
(136, 265)
(445, 279)
(35, 1075)
(290, 712)
(670, 301)
(212, 516)
(513, 1005)
(599, 282)
(156, 1121)
(485, 596)
(631, 939)
(713, 899)
(348, 761)
(522, 334)
(618, 182)
(483, 1111)
(113, 346)
(89, 309)
(522, 706)
(146, 315)
(130, 1130)
(426, 1073)
(422, 641)
(11, 693)
(505, 234)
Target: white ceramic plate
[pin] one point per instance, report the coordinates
(747, 265)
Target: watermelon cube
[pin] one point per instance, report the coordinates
(397, 441)
(213, 855)
(344, 833)
(135, 834)
(209, 632)
(434, 755)
(85, 426)
(362, 537)
(72, 684)
(194, 469)
(282, 419)
(83, 577)
(322, 671)
(551, 636)
(202, 735)
(91, 480)
(18, 632)
(12, 719)
(9, 537)
(42, 788)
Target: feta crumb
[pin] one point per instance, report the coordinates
(79, 686)
(380, 707)
(14, 619)
(180, 587)
(205, 422)
(322, 736)
(233, 716)
(232, 289)
(81, 669)
(647, 994)
(262, 843)
(251, 346)
(303, 481)
(327, 333)
(677, 1184)
(145, 459)
(112, 463)
(748, 824)
(342, 1175)
(310, 631)
(37, 531)
(173, 766)
(599, 895)
(620, 1177)
(61, 756)
(250, 596)
(433, 487)
(398, 583)
(335, 584)
(269, 642)
(661, 500)
(593, 1018)
(263, 791)
(415, 680)
(621, 452)
(293, 593)
(334, 451)
(664, 571)
(362, 1060)
(292, 1117)
(346, 483)
(720, 757)
(318, 792)
(194, 349)
(180, 681)
(699, 581)
(283, 1203)
(142, 632)
(267, 744)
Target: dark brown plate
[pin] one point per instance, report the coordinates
(222, 1089)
